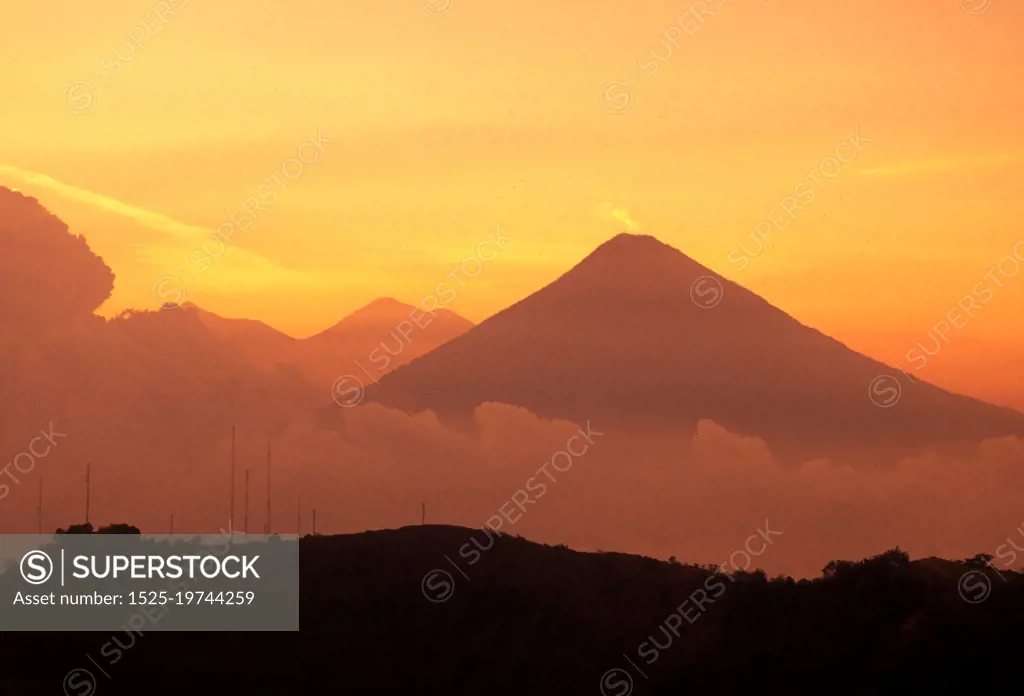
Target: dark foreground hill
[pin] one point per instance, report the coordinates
(378, 616)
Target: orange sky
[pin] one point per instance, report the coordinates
(445, 127)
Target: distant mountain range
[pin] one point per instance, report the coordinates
(373, 337)
(640, 336)
(637, 339)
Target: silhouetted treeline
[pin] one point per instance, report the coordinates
(522, 618)
(86, 528)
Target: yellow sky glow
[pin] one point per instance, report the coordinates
(146, 125)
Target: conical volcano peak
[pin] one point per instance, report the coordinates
(640, 335)
(637, 247)
(634, 269)
(630, 241)
(642, 253)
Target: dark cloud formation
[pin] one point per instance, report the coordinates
(48, 276)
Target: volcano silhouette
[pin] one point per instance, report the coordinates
(640, 336)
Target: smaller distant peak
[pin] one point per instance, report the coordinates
(385, 303)
(381, 308)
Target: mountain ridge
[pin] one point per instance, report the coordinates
(639, 334)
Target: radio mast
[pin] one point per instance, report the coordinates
(267, 530)
(231, 514)
(88, 484)
(39, 510)
(245, 523)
